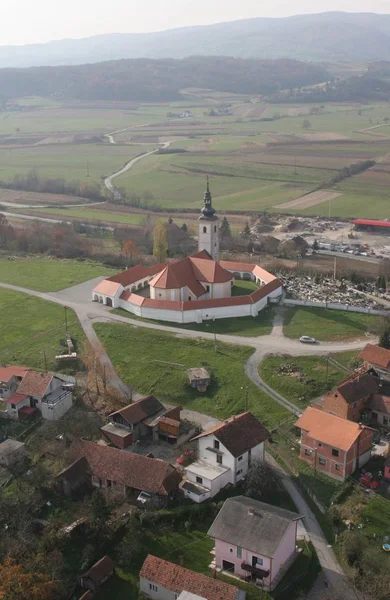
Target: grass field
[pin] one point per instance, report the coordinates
(93, 214)
(328, 325)
(30, 326)
(245, 326)
(49, 274)
(142, 366)
(243, 288)
(309, 377)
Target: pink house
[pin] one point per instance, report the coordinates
(254, 540)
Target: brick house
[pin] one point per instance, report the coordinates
(119, 472)
(254, 540)
(377, 358)
(145, 419)
(163, 580)
(332, 445)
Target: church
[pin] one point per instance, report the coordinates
(194, 289)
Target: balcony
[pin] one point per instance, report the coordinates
(254, 571)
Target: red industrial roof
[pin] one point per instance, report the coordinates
(371, 222)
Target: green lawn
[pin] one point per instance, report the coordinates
(49, 274)
(245, 326)
(93, 214)
(30, 326)
(243, 288)
(138, 355)
(308, 377)
(328, 325)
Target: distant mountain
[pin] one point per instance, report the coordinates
(329, 37)
(144, 79)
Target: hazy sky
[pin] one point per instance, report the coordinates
(27, 21)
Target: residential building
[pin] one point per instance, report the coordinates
(362, 396)
(191, 290)
(386, 473)
(120, 473)
(98, 574)
(10, 378)
(163, 580)
(11, 451)
(377, 358)
(333, 445)
(225, 453)
(42, 393)
(254, 540)
(199, 378)
(147, 420)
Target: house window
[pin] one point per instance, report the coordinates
(109, 483)
(216, 444)
(385, 420)
(13, 406)
(231, 549)
(207, 288)
(204, 229)
(308, 452)
(322, 461)
(335, 452)
(257, 561)
(215, 228)
(153, 587)
(199, 480)
(240, 458)
(239, 552)
(189, 298)
(219, 459)
(319, 444)
(337, 467)
(239, 472)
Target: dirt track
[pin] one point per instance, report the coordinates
(310, 200)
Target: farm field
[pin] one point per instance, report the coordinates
(30, 326)
(147, 365)
(329, 325)
(91, 213)
(49, 274)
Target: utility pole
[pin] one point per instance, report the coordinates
(327, 370)
(88, 175)
(246, 397)
(66, 321)
(215, 337)
(45, 361)
(330, 204)
(295, 165)
(334, 268)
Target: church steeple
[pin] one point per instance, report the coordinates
(208, 212)
(208, 238)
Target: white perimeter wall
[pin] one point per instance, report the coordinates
(335, 306)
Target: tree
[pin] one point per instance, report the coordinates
(315, 245)
(260, 480)
(306, 124)
(170, 220)
(18, 584)
(381, 282)
(160, 244)
(247, 230)
(130, 251)
(225, 229)
(384, 340)
(184, 227)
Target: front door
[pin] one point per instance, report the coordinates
(228, 566)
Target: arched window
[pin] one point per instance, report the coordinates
(204, 229)
(215, 228)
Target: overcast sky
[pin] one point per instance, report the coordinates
(28, 21)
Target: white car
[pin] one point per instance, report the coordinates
(306, 339)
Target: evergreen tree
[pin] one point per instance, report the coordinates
(247, 230)
(384, 340)
(225, 229)
(160, 243)
(315, 245)
(184, 227)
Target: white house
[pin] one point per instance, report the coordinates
(224, 456)
(163, 580)
(10, 378)
(41, 392)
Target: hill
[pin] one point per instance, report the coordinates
(157, 80)
(329, 37)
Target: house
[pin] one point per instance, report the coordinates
(10, 378)
(146, 420)
(377, 358)
(225, 453)
(199, 378)
(98, 574)
(163, 580)
(254, 540)
(11, 451)
(362, 396)
(194, 289)
(119, 472)
(39, 393)
(386, 472)
(333, 445)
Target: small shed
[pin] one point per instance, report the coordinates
(199, 378)
(97, 574)
(11, 451)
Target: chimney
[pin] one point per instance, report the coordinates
(251, 511)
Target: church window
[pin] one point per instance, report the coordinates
(204, 229)
(215, 228)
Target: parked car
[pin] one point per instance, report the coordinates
(306, 339)
(368, 481)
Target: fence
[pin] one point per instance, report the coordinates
(335, 306)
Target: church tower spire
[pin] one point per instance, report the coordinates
(208, 238)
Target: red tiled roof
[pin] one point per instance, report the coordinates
(27, 410)
(329, 429)
(16, 398)
(237, 266)
(132, 470)
(135, 274)
(106, 287)
(372, 222)
(357, 386)
(139, 410)
(263, 274)
(239, 433)
(178, 579)
(35, 384)
(100, 570)
(379, 402)
(6, 373)
(375, 355)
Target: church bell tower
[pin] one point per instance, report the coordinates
(208, 238)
